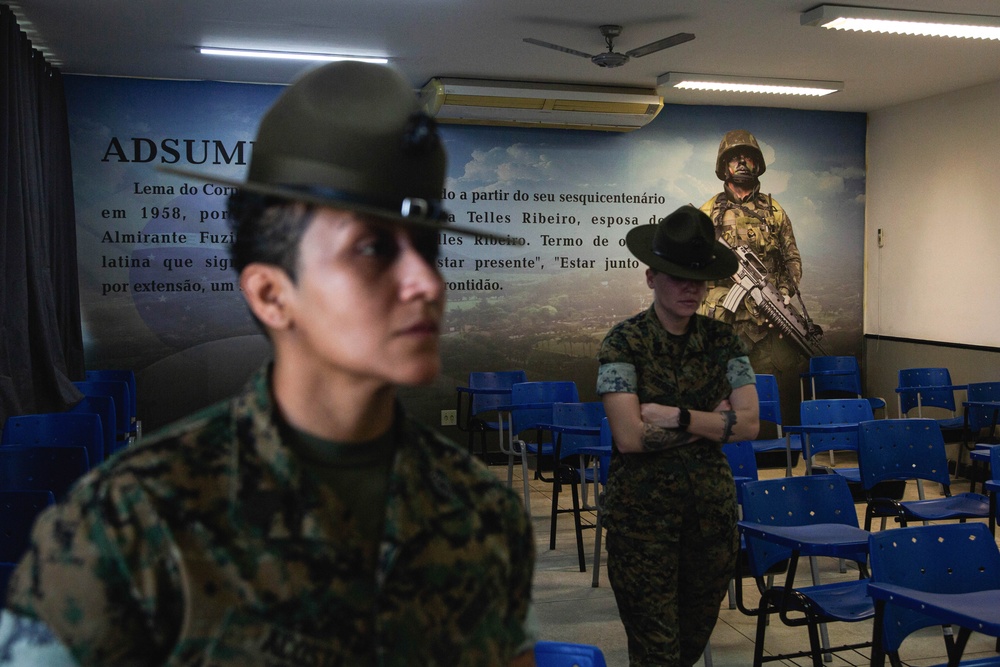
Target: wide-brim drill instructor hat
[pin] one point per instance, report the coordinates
(683, 245)
(352, 136)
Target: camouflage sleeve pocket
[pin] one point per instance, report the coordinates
(739, 372)
(617, 377)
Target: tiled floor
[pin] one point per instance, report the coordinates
(570, 609)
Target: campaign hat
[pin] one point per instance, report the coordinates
(682, 244)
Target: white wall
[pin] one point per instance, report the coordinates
(934, 190)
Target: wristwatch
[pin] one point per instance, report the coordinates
(684, 419)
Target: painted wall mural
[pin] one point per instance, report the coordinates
(158, 294)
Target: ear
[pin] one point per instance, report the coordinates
(267, 290)
(650, 273)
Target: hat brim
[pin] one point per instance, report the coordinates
(639, 241)
(294, 194)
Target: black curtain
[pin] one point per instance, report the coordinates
(41, 344)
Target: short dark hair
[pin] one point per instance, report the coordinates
(267, 229)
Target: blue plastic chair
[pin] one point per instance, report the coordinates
(931, 388)
(801, 501)
(937, 558)
(603, 463)
(576, 431)
(911, 449)
(769, 407)
(57, 428)
(119, 392)
(31, 468)
(835, 377)
(742, 463)
(565, 654)
(992, 486)
(103, 407)
(120, 375)
(477, 404)
(841, 413)
(18, 511)
(531, 405)
(979, 423)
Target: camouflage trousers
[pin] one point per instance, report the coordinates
(669, 590)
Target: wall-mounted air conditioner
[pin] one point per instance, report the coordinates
(521, 104)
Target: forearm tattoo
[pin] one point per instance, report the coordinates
(657, 439)
(728, 422)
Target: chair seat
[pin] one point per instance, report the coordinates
(842, 601)
(992, 485)
(959, 506)
(852, 475)
(776, 444)
(951, 423)
(980, 455)
(992, 661)
(533, 448)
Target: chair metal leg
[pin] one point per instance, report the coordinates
(597, 549)
(708, 654)
(524, 479)
(579, 527)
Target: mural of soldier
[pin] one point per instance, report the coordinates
(749, 220)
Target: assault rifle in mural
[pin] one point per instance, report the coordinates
(751, 279)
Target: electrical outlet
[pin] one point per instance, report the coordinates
(449, 417)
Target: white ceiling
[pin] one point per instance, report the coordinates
(483, 39)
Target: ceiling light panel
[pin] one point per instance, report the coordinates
(747, 85)
(901, 22)
(286, 55)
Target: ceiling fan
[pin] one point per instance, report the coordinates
(611, 58)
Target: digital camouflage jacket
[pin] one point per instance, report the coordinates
(211, 545)
(694, 371)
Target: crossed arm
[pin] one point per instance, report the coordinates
(649, 427)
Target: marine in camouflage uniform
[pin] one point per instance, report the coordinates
(214, 545)
(307, 521)
(746, 217)
(670, 505)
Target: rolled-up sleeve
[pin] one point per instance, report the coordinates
(739, 372)
(617, 377)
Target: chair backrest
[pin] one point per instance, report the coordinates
(901, 449)
(914, 379)
(18, 511)
(103, 407)
(492, 380)
(30, 468)
(604, 461)
(119, 392)
(587, 414)
(524, 393)
(768, 401)
(980, 417)
(936, 558)
(57, 428)
(844, 374)
(121, 375)
(794, 501)
(565, 654)
(742, 463)
(834, 411)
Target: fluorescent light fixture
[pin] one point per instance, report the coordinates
(286, 55)
(902, 22)
(747, 84)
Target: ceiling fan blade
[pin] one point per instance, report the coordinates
(572, 52)
(659, 45)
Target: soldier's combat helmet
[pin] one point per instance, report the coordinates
(737, 139)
